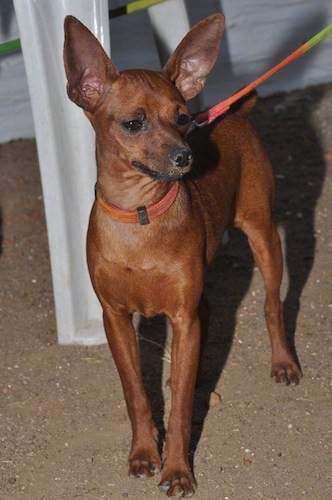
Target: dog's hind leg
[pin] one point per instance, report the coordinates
(265, 244)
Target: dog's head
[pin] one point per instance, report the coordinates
(141, 116)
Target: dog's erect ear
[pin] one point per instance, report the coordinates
(195, 56)
(88, 68)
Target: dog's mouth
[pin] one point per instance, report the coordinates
(164, 176)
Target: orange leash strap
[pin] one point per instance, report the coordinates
(211, 114)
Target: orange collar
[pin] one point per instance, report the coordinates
(141, 215)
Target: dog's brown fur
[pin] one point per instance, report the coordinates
(159, 267)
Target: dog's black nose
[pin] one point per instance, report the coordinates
(181, 157)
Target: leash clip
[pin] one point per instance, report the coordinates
(200, 124)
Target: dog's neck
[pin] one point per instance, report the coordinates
(143, 214)
(126, 188)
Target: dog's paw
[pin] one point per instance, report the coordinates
(144, 464)
(178, 484)
(286, 373)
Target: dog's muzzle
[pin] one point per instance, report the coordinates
(180, 157)
(179, 166)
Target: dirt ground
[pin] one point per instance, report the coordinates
(63, 424)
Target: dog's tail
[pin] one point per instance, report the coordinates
(246, 104)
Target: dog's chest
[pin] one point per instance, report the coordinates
(145, 278)
(151, 269)
(151, 290)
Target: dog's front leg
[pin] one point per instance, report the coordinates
(177, 479)
(144, 459)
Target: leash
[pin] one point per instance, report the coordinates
(211, 114)
(143, 214)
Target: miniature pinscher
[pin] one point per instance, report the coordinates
(164, 197)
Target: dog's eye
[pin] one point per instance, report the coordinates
(133, 125)
(182, 120)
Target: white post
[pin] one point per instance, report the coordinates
(66, 145)
(170, 23)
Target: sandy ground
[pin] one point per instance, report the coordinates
(63, 424)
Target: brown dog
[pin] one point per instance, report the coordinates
(159, 217)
